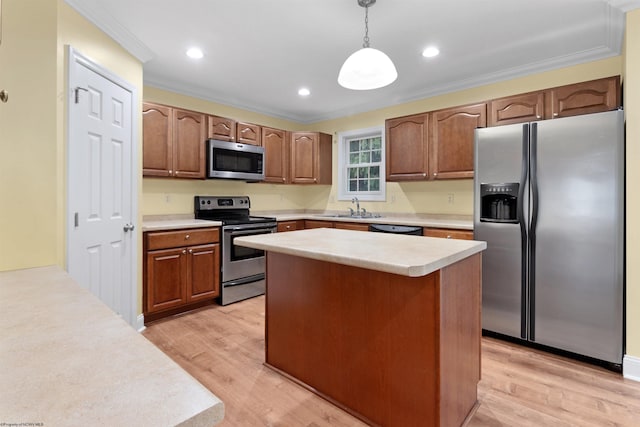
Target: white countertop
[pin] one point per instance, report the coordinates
(436, 221)
(177, 224)
(412, 256)
(67, 359)
(179, 221)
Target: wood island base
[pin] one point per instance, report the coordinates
(392, 350)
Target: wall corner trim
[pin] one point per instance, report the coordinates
(140, 325)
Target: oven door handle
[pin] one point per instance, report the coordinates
(243, 231)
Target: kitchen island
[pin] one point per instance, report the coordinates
(67, 359)
(384, 326)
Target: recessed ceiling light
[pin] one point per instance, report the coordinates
(304, 92)
(195, 53)
(430, 52)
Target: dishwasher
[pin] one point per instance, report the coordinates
(396, 229)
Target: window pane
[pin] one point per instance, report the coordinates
(364, 145)
(353, 185)
(354, 158)
(364, 185)
(376, 156)
(374, 171)
(353, 145)
(376, 143)
(365, 157)
(363, 172)
(353, 173)
(374, 185)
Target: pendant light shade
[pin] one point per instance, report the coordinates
(367, 68)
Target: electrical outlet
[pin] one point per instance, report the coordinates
(450, 198)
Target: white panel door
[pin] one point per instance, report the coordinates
(100, 227)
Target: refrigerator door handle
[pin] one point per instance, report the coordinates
(523, 228)
(532, 229)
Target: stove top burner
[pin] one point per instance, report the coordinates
(233, 210)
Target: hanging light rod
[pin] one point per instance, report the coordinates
(367, 68)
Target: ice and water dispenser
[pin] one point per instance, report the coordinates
(499, 202)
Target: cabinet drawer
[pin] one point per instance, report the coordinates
(448, 233)
(290, 226)
(177, 238)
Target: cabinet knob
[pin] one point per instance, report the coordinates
(555, 114)
(191, 250)
(435, 174)
(184, 251)
(176, 173)
(288, 227)
(170, 172)
(282, 179)
(187, 237)
(448, 236)
(538, 116)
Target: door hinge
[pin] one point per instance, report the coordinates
(77, 93)
(75, 220)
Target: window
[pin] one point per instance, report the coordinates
(361, 164)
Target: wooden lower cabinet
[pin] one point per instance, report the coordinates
(312, 223)
(290, 225)
(181, 271)
(358, 226)
(447, 233)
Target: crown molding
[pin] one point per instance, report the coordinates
(93, 12)
(625, 5)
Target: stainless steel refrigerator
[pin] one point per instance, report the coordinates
(549, 202)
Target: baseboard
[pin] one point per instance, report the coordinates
(140, 323)
(631, 367)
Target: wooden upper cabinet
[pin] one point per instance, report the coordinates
(310, 158)
(584, 98)
(276, 155)
(247, 133)
(173, 143)
(407, 143)
(189, 144)
(452, 140)
(157, 150)
(527, 107)
(221, 128)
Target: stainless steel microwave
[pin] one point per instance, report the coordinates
(231, 160)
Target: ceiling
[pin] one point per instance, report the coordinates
(258, 53)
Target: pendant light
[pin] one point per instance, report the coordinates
(367, 68)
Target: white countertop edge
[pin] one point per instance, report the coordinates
(389, 265)
(177, 224)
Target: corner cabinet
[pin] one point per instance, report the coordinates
(173, 142)
(434, 145)
(181, 271)
(276, 153)
(310, 158)
(593, 96)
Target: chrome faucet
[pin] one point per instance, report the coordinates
(357, 202)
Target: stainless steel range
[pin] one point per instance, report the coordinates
(242, 269)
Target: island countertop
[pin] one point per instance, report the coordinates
(67, 359)
(412, 256)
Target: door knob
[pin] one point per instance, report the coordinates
(128, 227)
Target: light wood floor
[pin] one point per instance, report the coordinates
(223, 347)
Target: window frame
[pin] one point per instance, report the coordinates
(343, 160)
